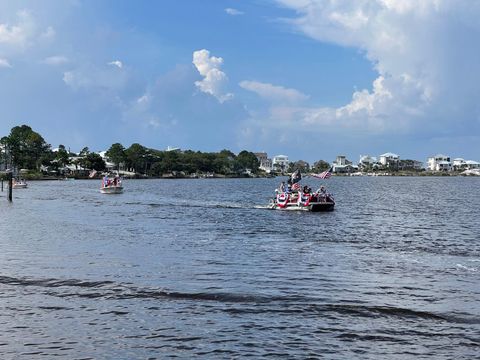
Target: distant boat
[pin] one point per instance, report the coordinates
(111, 186)
(19, 184)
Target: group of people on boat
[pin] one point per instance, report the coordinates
(108, 182)
(291, 192)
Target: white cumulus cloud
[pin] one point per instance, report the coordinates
(274, 93)
(426, 54)
(214, 80)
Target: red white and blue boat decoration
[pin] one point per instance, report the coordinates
(318, 201)
(294, 197)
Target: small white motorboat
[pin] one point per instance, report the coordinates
(111, 186)
(19, 184)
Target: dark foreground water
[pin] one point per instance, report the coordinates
(193, 269)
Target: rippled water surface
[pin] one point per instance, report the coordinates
(198, 269)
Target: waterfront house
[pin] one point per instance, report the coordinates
(472, 165)
(265, 163)
(343, 165)
(280, 162)
(389, 160)
(367, 162)
(460, 164)
(439, 162)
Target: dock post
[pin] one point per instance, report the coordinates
(10, 186)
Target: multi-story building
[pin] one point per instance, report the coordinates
(440, 162)
(367, 162)
(342, 165)
(265, 162)
(280, 162)
(389, 159)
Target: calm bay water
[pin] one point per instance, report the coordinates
(197, 269)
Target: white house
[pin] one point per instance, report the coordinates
(108, 164)
(459, 164)
(472, 164)
(367, 160)
(265, 163)
(280, 162)
(388, 159)
(342, 165)
(440, 162)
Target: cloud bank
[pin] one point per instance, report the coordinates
(426, 55)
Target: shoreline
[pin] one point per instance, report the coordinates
(31, 177)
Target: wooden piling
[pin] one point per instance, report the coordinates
(10, 187)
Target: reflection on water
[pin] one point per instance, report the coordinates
(197, 268)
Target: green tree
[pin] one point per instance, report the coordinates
(26, 147)
(136, 157)
(320, 165)
(116, 154)
(84, 152)
(301, 165)
(94, 161)
(62, 156)
(247, 160)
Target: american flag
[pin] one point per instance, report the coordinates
(296, 186)
(324, 175)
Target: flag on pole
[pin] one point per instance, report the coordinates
(296, 176)
(324, 175)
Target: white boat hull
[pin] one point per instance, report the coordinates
(111, 190)
(313, 207)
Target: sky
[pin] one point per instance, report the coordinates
(311, 79)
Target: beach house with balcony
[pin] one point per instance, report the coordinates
(389, 160)
(280, 163)
(440, 162)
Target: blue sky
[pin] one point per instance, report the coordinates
(307, 78)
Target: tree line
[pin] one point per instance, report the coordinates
(26, 149)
